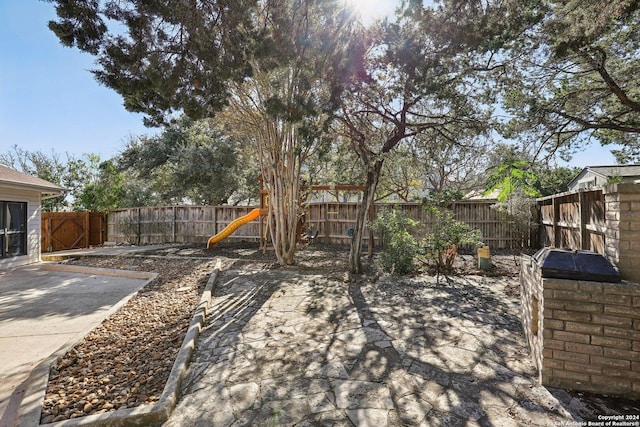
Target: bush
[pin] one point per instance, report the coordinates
(518, 211)
(396, 228)
(439, 245)
(447, 234)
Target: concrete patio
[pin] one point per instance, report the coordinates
(44, 309)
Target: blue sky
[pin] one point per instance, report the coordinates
(48, 98)
(50, 101)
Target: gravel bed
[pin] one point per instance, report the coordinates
(125, 362)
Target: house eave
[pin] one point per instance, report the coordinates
(45, 191)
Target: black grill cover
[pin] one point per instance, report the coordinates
(576, 265)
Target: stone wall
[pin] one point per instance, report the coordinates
(587, 336)
(531, 307)
(622, 234)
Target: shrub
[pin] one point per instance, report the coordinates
(445, 236)
(518, 211)
(439, 245)
(396, 228)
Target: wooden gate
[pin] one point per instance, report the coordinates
(72, 230)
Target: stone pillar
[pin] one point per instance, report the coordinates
(622, 221)
(531, 310)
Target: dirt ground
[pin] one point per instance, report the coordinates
(126, 361)
(334, 257)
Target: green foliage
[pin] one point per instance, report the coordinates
(448, 158)
(518, 210)
(164, 56)
(80, 173)
(615, 179)
(189, 162)
(285, 107)
(556, 180)
(572, 77)
(438, 244)
(537, 178)
(411, 80)
(513, 175)
(445, 236)
(442, 198)
(396, 228)
(107, 192)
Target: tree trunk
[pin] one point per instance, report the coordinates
(373, 176)
(283, 215)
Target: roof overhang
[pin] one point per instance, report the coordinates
(46, 192)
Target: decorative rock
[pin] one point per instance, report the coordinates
(48, 419)
(102, 365)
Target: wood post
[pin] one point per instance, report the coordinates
(173, 225)
(556, 216)
(87, 230)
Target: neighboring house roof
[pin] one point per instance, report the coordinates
(14, 179)
(622, 171)
(479, 195)
(608, 171)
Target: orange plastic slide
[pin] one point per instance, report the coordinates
(213, 240)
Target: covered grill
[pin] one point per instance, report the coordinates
(575, 265)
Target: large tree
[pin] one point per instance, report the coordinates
(284, 109)
(267, 59)
(189, 161)
(334, 164)
(451, 161)
(415, 81)
(573, 77)
(163, 56)
(105, 191)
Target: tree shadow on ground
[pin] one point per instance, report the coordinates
(284, 348)
(31, 293)
(461, 357)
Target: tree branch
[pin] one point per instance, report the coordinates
(607, 78)
(595, 125)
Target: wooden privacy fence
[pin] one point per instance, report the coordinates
(331, 220)
(573, 220)
(72, 230)
(176, 224)
(605, 220)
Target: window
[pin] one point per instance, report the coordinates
(13, 229)
(586, 185)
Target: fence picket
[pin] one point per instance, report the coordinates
(332, 221)
(574, 220)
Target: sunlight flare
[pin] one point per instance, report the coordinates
(372, 10)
